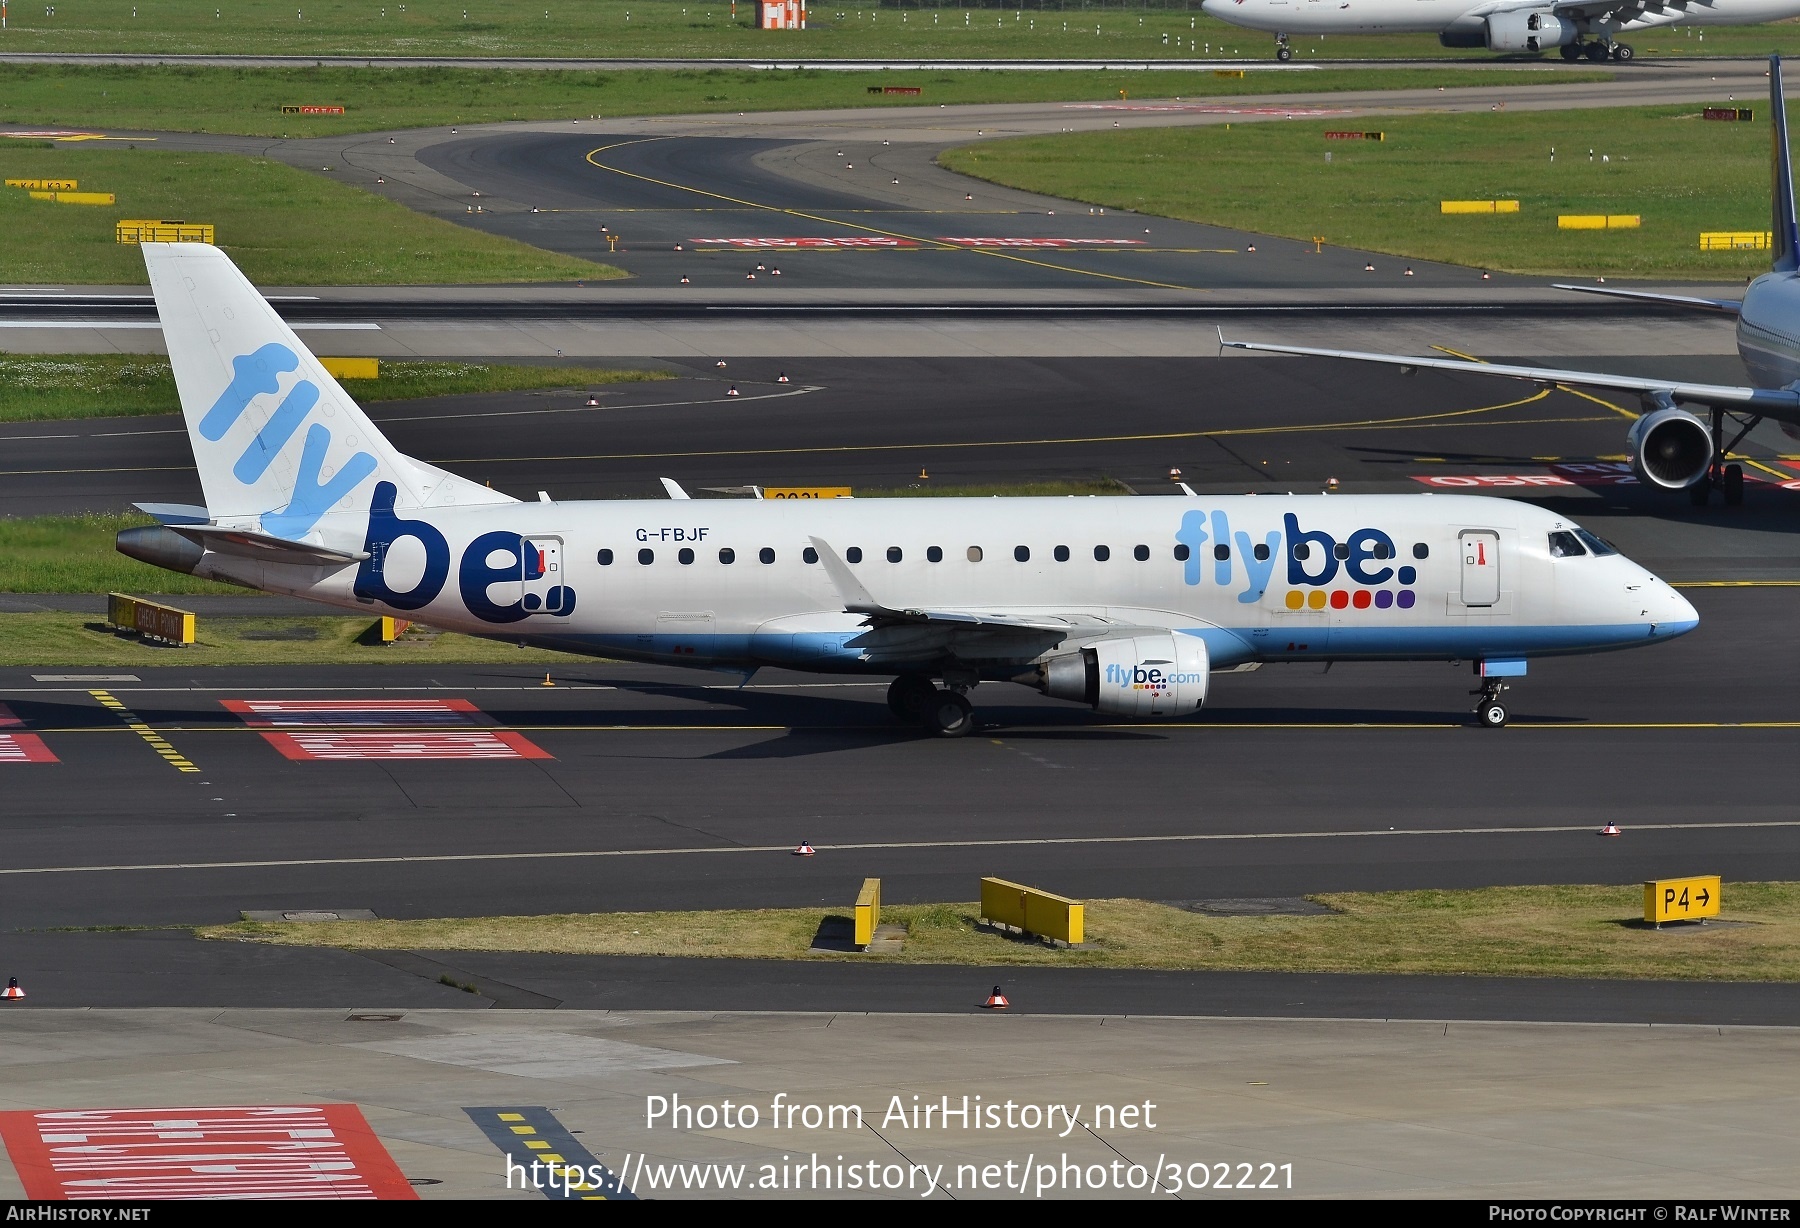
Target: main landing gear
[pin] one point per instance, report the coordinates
(1598, 50)
(944, 711)
(1728, 479)
(1283, 52)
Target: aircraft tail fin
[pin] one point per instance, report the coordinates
(1786, 233)
(277, 442)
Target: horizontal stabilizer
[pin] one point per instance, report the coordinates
(175, 513)
(246, 544)
(1730, 306)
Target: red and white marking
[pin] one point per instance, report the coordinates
(8, 720)
(846, 241)
(24, 748)
(310, 1151)
(1045, 242)
(476, 744)
(334, 729)
(282, 712)
(1575, 473)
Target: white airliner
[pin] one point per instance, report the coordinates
(1671, 449)
(1126, 605)
(1580, 27)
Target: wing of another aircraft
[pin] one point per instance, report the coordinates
(1774, 402)
(1729, 305)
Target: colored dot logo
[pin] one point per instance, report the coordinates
(1361, 599)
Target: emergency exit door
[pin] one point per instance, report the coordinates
(1480, 566)
(540, 559)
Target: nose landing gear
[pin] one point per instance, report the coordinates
(1490, 711)
(1283, 52)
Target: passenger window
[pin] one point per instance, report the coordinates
(894, 554)
(646, 557)
(1340, 551)
(1222, 552)
(1061, 553)
(1599, 545)
(1182, 552)
(766, 555)
(727, 555)
(1383, 550)
(1261, 552)
(974, 554)
(934, 554)
(1565, 546)
(685, 556)
(853, 554)
(1102, 553)
(810, 555)
(1302, 551)
(1421, 550)
(1141, 553)
(1022, 553)
(604, 558)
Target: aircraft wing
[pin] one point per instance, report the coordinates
(1731, 306)
(857, 600)
(1781, 403)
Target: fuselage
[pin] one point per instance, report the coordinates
(738, 583)
(1436, 16)
(1768, 330)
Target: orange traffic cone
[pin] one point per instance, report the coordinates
(684, 281)
(805, 849)
(996, 1001)
(546, 681)
(593, 402)
(1611, 829)
(731, 391)
(923, 476)
(12, 992)
(782, 378)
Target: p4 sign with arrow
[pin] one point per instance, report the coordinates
(1681, 899)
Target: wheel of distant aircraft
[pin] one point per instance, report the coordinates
(1571, 52)
(1622, 52)
(1596, 52)
(949, 715)
(1492, 714)
(1284, 53)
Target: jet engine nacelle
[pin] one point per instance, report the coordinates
(1528, 31)
(1669, 448)
(1145, 675)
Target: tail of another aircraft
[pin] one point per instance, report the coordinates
(1785, 238)
(277, 442)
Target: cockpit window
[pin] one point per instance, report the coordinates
(1565, 545)
(1595, 544)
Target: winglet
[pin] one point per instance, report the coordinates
(1786, 233)
(843, 579)
(674, 489)
(1222, 342)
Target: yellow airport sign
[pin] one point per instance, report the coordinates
(868, 911)
(1735, 240)
(1681, 899)
(352, 368)
(1032, 911)
(44, 185)
(806, 492)
(1478, 206)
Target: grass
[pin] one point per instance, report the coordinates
(74, 554)
(1577, 931)
(83, 639)
(282, 226)
(36, 387)
(675, 28)
(1681, 174)
(249, 100)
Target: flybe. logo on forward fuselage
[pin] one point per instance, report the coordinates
(1363, 564)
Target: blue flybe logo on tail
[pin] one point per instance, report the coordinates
(314, 494)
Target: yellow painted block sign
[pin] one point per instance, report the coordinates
(1478, 206)
(45, 185)
(1735, 240)
(1681, 899)
(868, 911)
(1033, 911)
(806, 492)
(352, 368)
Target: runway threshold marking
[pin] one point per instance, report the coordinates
(1419, 421)
(890, 846)
(156, 741)
(813, 217)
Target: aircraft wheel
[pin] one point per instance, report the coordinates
(1596, 52)
(907, 696)
(1622, 52)
(1492, 714)
(949, 715)
(1571, 52)
(1700, 492)
(1284, 53)
(1734, 485)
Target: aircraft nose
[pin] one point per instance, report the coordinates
(1669, 612)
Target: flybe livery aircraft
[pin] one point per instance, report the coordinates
(1579, 27)
(1670, 448)
(1126, 605)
